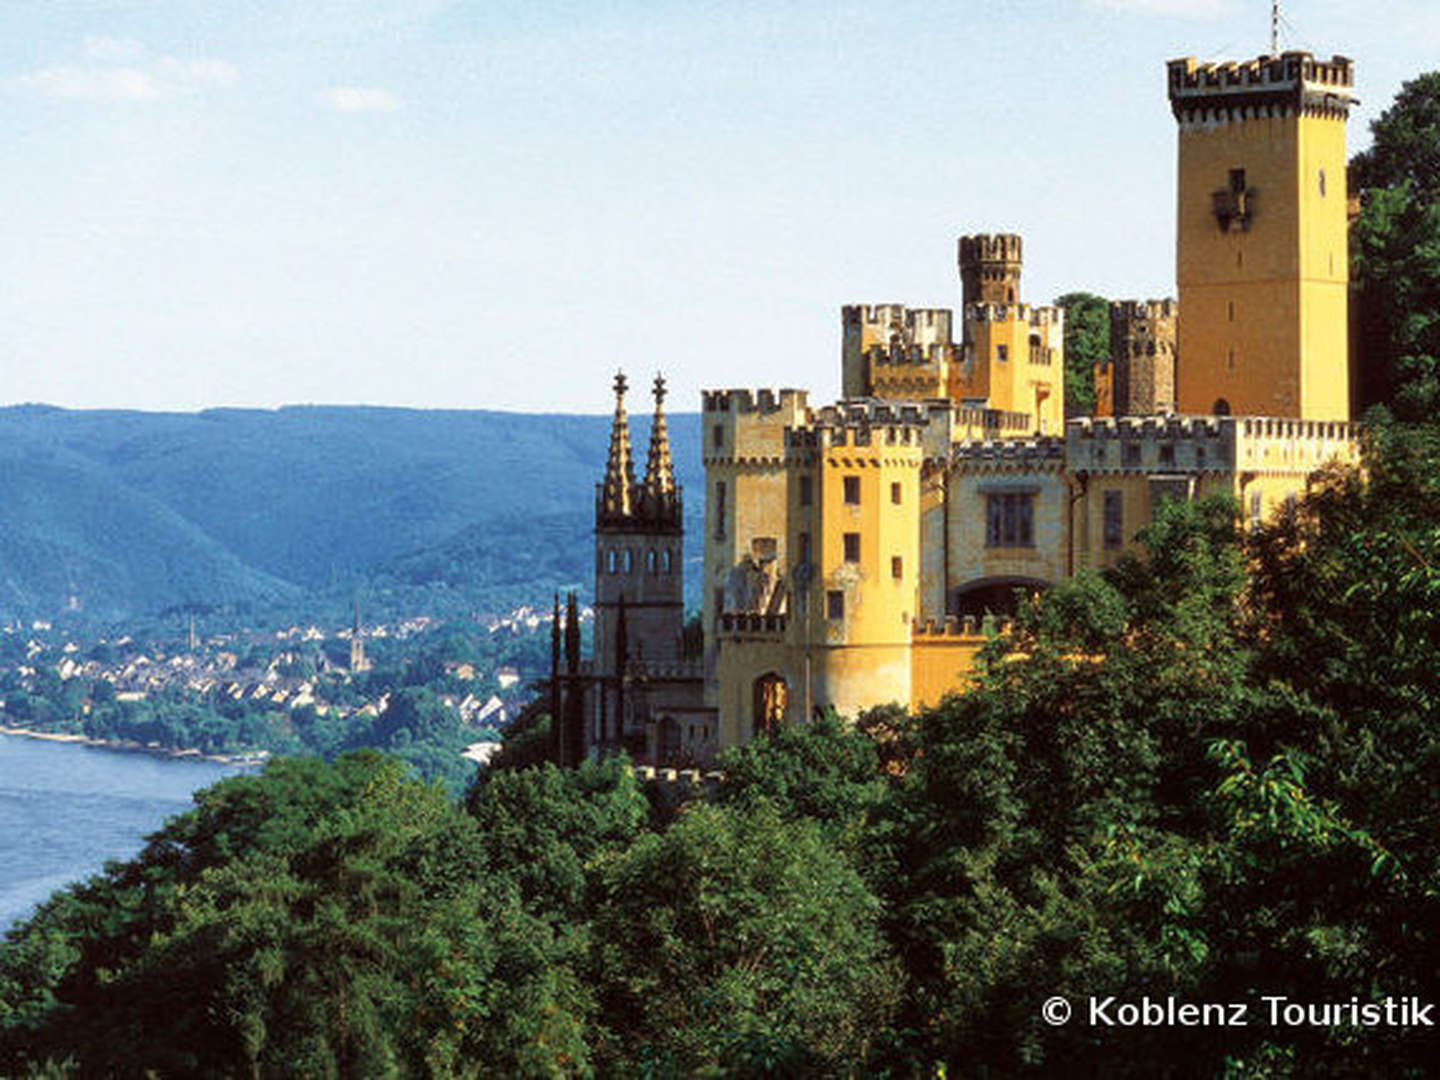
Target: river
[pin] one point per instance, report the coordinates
(65, 809)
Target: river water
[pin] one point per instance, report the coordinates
(65, 809)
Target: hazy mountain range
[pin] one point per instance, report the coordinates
(120, 514)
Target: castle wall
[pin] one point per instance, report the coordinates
(1032, 472)
(943, 658)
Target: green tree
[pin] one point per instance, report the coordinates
(739, 942)
(1087, 343)
(1395, 253)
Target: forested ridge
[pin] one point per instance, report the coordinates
(1207, 776)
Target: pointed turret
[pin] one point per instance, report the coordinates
(659, 492)
(618, 492)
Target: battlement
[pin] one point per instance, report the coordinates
(758, 401)
(955, 627)
(753, 624)
(988, 311)
(1144, 310)
(1147, 427)
(876, 412)
(1295, 79)
(923, 325)
(1043, 451)
(912, 355)
(664, 670)
(989, 248)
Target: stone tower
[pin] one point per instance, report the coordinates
(990, 269)
(1142, 357)
(639, 551)
(1261, 256)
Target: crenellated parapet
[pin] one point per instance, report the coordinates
(1147, 444)
(995, 312)
(1284, 444)
(897, 324)
(962, 627)
(753, 626)
(1201, 444)
(753, 401)
(1293, 83)
(990, 268)
(1042, 453)
(933, 355)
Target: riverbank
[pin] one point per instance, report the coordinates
(258, 757)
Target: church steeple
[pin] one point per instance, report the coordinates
(659, 491)
(618, 493)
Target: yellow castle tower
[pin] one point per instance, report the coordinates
(1261, 258)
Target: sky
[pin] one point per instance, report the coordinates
(487, 204)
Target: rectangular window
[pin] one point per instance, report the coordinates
(717, 600)
(1167, 454)
(803, 543)
(835, 604)
(807, 491)
(1131, 453)
(852, 490)
(1002, 353)
(1010, 520)
(895, 493)
(720, 510)
(717, 436)
(1255, 509)
(1237, 180)
(1114, 519)
(852, 547)
(897, 567)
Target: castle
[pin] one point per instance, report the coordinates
(854, 551)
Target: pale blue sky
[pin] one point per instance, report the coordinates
(492, 205)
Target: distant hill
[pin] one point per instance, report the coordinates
(133, 513)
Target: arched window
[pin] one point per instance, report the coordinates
(629, 561)
(610, 561)
(668, 561)
(769, 694)
(651, 561)
(1221, 407)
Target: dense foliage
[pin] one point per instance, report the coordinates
(1087, 343)
(1395, 253)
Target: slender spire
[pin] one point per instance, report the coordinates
(659, 468)
(617, 496)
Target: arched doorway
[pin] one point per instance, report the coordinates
(770, 694)
(992, 595)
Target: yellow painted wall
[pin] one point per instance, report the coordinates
(1029, 380)
(941, 664)
(1265, 322)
